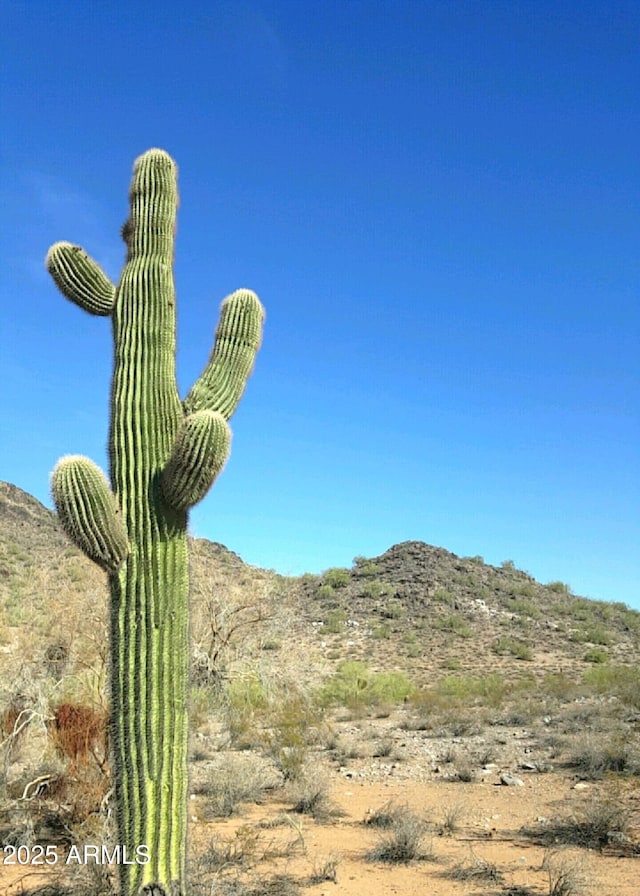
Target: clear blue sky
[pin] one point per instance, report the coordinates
(437, 203)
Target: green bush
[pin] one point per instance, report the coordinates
(325, 592)
(373, 589)
(354, 685)
(455, 624)
(558, 685)
(622, 682)
(511, 647)
(490, 689)
(444, 597)
(337, 577)
(524, 608)
(242, 699)
(292, 725)
(596, 655)
(598, 634)
(334, 623)
(393, 610)
(365, 567)
(558, 588)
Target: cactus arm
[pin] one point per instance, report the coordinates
(89, 512)
(199, 454)
(238, 336)
(80, 278)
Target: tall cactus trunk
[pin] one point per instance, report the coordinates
(164, 457)
(149, 672)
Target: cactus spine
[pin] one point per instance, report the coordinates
(164, 456)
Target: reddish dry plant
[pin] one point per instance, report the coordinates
(15, 720)
(79, 731)
(9, 718)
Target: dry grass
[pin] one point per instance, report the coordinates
(567, 875)
(402, 841)
(603, 822)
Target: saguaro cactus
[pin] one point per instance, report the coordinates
(164, 456)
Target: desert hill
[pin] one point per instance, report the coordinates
(416, 608)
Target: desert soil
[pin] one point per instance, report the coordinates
(486, 854)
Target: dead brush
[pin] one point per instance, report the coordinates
(235, 781)
(78, 732)
(476, 870)
(566, 876)
(595, 758)
(603, 822)
(385, 816)
(403, 841)
(451, 817)
(325, 870)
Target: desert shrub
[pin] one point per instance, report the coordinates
(291, 726)
(390, 687)
(337, 577)
(56, 658)
(558, 588)
(234, 781)
(559, 686)
(464, 771)
(364, 567)
(566, 876)
(454, 623)
(476, 870)
(334, 623)
(622, 682)
(354, 685)
(444, 597)
(310, 795)
(402, 842)
(325, 592)
(593, 634)
(596, 655)
(524, 608)
(243, 697)
(452, 815)
(373, 589)
(384, 747)
(510, 646)
(77, 731)
(525, 589)
(325, 869)
(385, 816)
(393, 610)
(488, 689)
(594, 758)
(14, 715)
(602, 822)
(202, 701)
(381, 632)
(271, 644)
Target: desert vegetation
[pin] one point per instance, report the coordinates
(498, 761)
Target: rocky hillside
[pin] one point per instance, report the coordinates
(416, 608)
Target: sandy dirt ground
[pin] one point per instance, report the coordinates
(485, 854)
